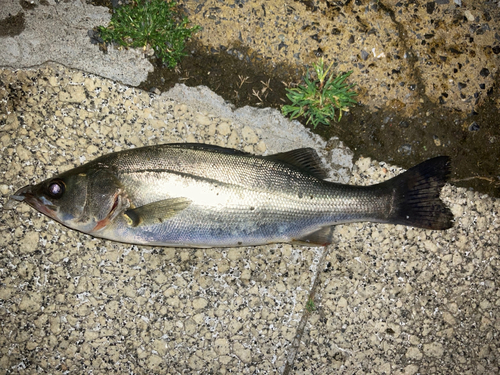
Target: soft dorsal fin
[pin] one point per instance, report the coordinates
(305, 159)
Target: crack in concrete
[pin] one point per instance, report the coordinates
(295, 347)
(411, 58)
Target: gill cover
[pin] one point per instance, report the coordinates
(105, 199)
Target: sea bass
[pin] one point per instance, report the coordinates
(197, 195)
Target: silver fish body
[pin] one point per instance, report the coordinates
(195, 195)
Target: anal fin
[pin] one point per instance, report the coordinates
(322, 237)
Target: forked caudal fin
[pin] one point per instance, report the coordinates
(416, 199)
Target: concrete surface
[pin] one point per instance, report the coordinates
(402, 53)
(387, 299)
(49, 30)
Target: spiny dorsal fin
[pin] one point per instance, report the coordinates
(305, 159)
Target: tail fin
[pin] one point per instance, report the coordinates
(416, 192)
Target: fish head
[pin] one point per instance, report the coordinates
(83, 200)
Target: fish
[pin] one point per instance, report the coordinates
(201, 196)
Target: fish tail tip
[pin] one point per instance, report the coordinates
(416, 196)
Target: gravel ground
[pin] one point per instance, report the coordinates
(387, 299)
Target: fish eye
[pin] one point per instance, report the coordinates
(56, 189)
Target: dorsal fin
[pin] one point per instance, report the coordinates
(305, 159)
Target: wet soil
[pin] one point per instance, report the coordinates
(472, 140)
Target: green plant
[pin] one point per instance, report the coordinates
(318, 100)
(152, 24)
(310, 307)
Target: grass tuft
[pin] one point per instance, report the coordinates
(310, 306)
(151, 24)
(321, 97)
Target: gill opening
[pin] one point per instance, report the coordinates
(111, 214)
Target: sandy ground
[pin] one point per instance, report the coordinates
(385, 299)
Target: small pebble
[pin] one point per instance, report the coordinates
(484, 72)
(473, 127)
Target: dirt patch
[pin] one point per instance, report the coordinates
(12, 25)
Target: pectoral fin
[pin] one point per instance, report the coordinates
(156, 212)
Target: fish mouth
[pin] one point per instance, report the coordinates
(25, 194)
(18, 196)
